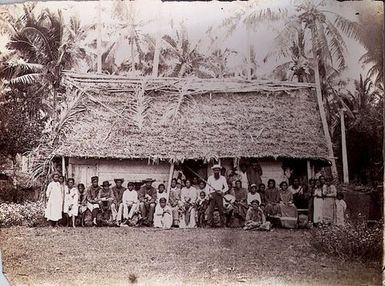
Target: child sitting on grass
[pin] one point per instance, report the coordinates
(255, 218)
(202, 205)
(163, 215)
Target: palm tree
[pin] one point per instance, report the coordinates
(186, 59)
(39, 51)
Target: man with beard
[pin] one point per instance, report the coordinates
(217, 186)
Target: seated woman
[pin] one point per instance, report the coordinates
(163, 215)
(189, 197)
(255, 218)
(300, 194)
(289, 215)
(272, 199)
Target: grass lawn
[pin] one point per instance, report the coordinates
(111, 256)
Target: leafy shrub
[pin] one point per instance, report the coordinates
(27, 214)
(355, 241)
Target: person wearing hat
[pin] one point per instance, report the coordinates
(92, 198)
(217, 186)
(129, 204)
(106, 200)
(253, 195)
(147, 201)
(118, 191)
(53, 211)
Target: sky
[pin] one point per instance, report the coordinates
(163, 17)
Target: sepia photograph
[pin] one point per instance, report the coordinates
(159, 142)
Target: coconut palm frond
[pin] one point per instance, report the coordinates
(68, 114)
(177, 104)
(140, 107)
(348, 27)
(26, 79)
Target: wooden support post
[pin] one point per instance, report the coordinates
(308, 167)
(322, 109)
(345, 165)
(63, 166)
(172, 166)
(99, 39)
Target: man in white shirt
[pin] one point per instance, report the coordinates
(217, 186)
(189, 197)
(129, 204)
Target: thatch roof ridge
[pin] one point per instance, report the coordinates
(116, 83)
(231, 123)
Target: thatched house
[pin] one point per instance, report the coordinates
(137, 128)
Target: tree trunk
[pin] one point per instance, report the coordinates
(344, 151)
(322, 109)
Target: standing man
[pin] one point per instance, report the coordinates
(118, 191)
(147, 197)
(254, 173)
(243, 175)
(92, 198)
(217, 186)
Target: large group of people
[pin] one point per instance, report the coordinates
(237, 198)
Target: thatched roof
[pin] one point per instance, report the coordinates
(263, 119)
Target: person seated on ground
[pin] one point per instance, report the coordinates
(71, 199)
(162, 193)
(82, 204)
(228, 206)
(299, 197)
(118, 191)
(189, 197)
(255, 218)
(340, 210)
(175, 202)
(106, 201)
(54, 195)
(92, 198)
(289, 215)
(272, 199)
(128, 206)
(261, 192)
(147, 201)
(163, 215)
(253, 194)
(217, 188)
(202, 206)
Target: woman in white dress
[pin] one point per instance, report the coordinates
(71, 200)
(317, 203)
(54, 194)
